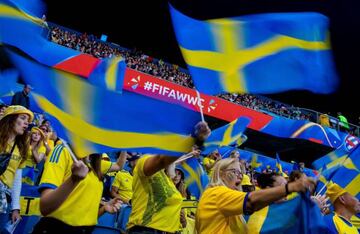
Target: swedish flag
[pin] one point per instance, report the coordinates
(298, 215)
(196, 178)
(94, 119)
(28, 33)
(348, 174)
(331, 159)
(109, 74)
(8, 80)
(263, 53)
(227, 135)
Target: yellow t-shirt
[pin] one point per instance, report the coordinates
(156, 203)
(208, 160)
(82, 206)
(338, 224)
(30, 161)
(51, 144)
(123, 181)
(355, 221)
(15, 163)
(219, 211)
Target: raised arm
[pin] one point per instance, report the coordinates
(51, 199)
(261, 198)
(159, 162)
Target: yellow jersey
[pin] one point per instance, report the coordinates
(338, 224)
(16, 162)
(156, 203)
(82, 206)
(30, 161)
(123, 181)
(219, 211)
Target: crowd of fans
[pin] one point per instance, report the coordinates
(235, 185)
(145, 192)
(137, 60)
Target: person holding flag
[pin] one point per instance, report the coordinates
(156, 203)
(222, 204)
(71, 190)
(345, 206)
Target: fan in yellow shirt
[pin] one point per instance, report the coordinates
(210, 160)
(156, 202)
(222, 204)
(122, 186)
(35, 155)
(71, 192)
(345, 206)
(14, 147)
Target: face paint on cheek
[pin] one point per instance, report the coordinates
(230, 176)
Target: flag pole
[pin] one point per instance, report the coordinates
(183, 158)
(70, 151)
(200, 107)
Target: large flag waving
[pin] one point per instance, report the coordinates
(196, 178)
(298, 215)
(28, 33)
(263, 53)
(94, 119)
(227, 135)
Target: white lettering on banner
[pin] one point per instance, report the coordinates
(171, 93)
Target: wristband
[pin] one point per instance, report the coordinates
(287, 189)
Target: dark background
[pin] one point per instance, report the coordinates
(146, 25)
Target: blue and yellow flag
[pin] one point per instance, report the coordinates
(196, 178)
(331, 159)
(29, 34)
(347, 175)
(261, 53)
(298, 215)
(109, 74)
(227, 135)
(94, 119)
(8, 80)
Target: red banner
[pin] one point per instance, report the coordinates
(151, 86)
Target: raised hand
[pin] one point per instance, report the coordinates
(79, 170)
(302, 184)
(202, 130)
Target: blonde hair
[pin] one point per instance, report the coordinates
(220, 166)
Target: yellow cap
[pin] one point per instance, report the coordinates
(36, 129)
(15, 110)
(334, 191)
(246, 180)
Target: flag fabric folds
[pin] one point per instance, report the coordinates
(227, 135)
(28, 33)
(196, 178)
(8, 80)
(298, 215)
(94, 119)
(347, 174)
(109, 74)
(261, 53)
(331, 159)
